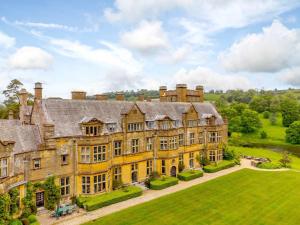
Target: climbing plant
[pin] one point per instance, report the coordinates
(52, 193)
(14, 200)
(28, 201)
(4, 208)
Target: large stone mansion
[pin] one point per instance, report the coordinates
(88, 143)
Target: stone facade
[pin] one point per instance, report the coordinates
(181, 94)
(87, 144)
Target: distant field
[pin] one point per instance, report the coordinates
(275, 139)
(244, 197)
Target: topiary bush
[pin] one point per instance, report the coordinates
(190, 175)
(15, 222)
(32, 218)
(220, 166)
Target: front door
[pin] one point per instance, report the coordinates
(39, 199)
(173, 171)
(134, 177)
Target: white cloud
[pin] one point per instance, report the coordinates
(210, 79)
(110, 55)
(46, 25)
(148, 37)
(291, 76)
(221, 14)
(29, 57)
(276, 48)
(6, 41)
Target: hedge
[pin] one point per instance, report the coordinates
(220, 166)
(190, 175)
(32, 218)
(162, 183)
(15, 222)
(96, 202)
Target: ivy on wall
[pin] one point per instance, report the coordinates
(52, 193)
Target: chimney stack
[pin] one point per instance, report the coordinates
(78, 95)
(38, 91)
(10, 115)
(200, 90)
(101, 97)
(181, 91)
(162, 93)
(120, 96)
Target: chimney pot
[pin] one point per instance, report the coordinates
(120, 96)
(38, 91)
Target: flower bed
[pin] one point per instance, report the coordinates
(219, 166)
(190, 175)
(96, 202)
(162, 183)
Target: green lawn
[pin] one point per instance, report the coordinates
(266, 153)
(244, 197)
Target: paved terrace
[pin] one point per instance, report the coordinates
(82, 216)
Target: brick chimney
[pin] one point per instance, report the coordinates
(78, 95)
(181, 90)
(120, 96)
(23, 96)
(162, 93)
(199, 89)
(38, 91)
(101, 97)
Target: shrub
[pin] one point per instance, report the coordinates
(32, 218)
(228, 154)
(190, 175)
(52, 193)
(15, 222)
(263, 134)
(273, 119)
(116, 184)
(159, 184)
(266, 114)
(180, 167)
(25, 221)
(268, 165)
(293, 133)
(285, 160)
(220, 166)
(96, 202)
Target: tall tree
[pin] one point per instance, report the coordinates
(290, 110)
(249, 121)
(11, 92)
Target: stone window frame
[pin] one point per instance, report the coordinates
(191, 160)
(3, 167)
(117, 172)
(85, 154)
(163, 167)
(135, 145)
(37, 163)
(86, 184)
(65, 186)
(99, 183)
(99, 153)
(66, 161)
(212, 155)
(117, 148)
(180, 158)
(181, 139)
(149, 143)
(192, 138)
(173, 142)
(131, 127)
(163, 143)
(149, 167)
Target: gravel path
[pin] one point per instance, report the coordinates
(148, 195)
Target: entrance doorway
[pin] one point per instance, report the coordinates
(39, 199)
(134, 172)
(173, 171)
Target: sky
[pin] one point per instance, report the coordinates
(99, 46)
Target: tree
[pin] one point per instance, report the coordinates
(275, 105)
(273, 119)
(285, 160)
(293, 133)
(266, 114)
(11, 92)
(249, 121)
(260, 103)
(240, 107)
(290, 110)
(263, 134)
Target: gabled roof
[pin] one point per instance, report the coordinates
(66, 114)
(26, 137)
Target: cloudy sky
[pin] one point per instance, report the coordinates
(98, 46)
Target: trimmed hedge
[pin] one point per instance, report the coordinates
(190, 175)
(268, 165)
(220, 166)
(96, 202)
(162, 183)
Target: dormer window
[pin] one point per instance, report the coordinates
(150, 124)
(192, 123)
(164, 125)
(92, 130)
(111, 127)
(176, 123)
(3, 168)
(135, 127)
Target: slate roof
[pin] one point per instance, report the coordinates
(26, 137)
(67, 114)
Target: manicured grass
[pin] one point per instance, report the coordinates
(190, 175)
(162, 183)
(212, 168)
(266, 153)
(96, 202)
(244, 197)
